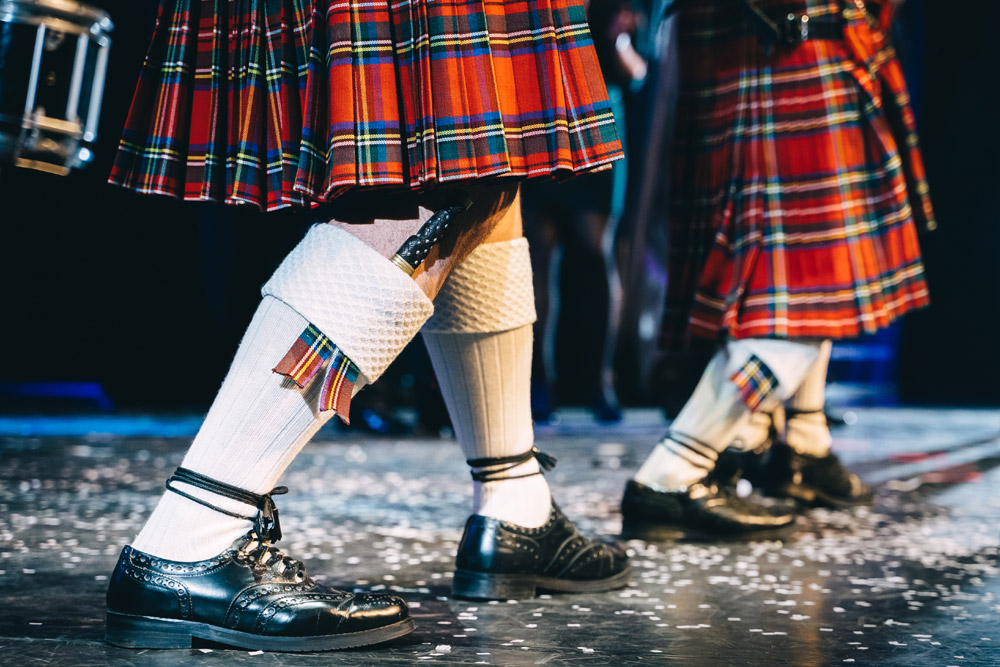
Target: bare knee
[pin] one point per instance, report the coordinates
(385, 220)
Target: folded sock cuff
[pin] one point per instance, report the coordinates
(356, 297)
(489, 292)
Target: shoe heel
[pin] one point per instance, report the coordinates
(650, 531)
(485, 586)
(145, 632)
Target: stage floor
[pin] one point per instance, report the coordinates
(913, 580)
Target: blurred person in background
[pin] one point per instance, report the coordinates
(572, 229)
(796, 196)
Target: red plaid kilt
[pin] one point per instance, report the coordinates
(286, 102)
(797, 184)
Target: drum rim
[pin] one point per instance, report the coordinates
(64, 9)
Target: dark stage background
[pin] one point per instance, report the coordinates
(148, 296)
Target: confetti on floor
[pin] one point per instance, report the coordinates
(912, 580)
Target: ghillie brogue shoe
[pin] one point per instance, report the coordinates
(251, 596)
(818, 481)
(707, 510)
(499, 560)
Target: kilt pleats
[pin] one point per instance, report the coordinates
(287, 102)
(793, 204)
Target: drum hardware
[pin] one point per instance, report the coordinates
(49, 115)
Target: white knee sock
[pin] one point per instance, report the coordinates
(756, 432)
(747, 374)
(260, 420)
(479, 342)
(806, 429)
(257, 424)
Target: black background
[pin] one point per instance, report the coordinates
(149, 296)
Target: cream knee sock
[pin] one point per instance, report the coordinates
(257, 424)
(479, 342)
(806, 429)
(745, 375)
(259, 421)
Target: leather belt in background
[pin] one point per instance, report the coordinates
(793, 28)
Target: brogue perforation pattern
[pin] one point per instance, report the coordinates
(556, 549)
(196, 567)
(167, 583)
(243, 601)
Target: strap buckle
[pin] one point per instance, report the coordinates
(794, 29)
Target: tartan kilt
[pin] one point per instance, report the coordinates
(284, 103)
(797, 184)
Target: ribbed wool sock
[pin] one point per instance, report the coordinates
(718, 411)
(485, 380)
(806, 429)
(363, 305)
(714, 413)
(257, 424)
(480, 343)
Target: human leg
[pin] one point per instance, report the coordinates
(480, 343)
(801, 464)
(353, 311)
(675, 489)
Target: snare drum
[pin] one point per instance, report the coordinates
(53, 59)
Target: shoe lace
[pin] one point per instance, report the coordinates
(262, 556)
(257, 550)
(498, 465)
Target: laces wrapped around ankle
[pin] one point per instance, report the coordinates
(266, 524)
(795, 412)
(506, 463)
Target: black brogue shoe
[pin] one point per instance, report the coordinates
(250, 596)
(704, 511)
(819, 481)
(498, 560)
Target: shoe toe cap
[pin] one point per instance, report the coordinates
(599, 560)
(322, 615)
(371, 610)
(619, 559)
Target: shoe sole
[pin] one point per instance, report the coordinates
(149, 632)
(815, 498)
(485, 586)
(659, 532)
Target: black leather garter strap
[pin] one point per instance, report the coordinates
(545, 461)
(266, 523)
